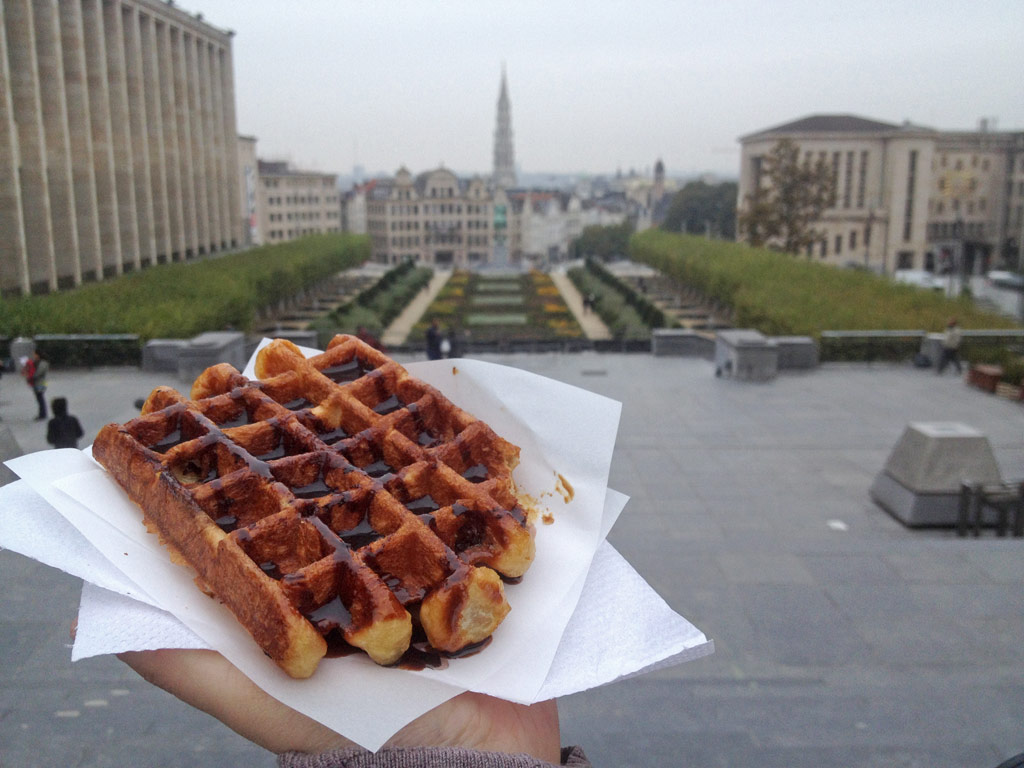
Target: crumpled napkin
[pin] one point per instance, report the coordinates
(581, 617)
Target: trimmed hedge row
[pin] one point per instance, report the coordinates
(622, 319)
(779, 294)
(181, 300)
(376, 306)
(651, 316)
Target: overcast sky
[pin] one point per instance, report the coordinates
(601, 86)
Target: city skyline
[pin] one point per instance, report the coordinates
(329, 86)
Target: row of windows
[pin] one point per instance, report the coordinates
(288, 234)
(850, 174)
(958, 165)
(301, 200)
(406, 224)
(304, 216)
(851, 240)
(939, 207)
(296, 182)
(952, 230)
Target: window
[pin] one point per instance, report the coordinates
(848, 180)
(839, 244)
(853, 239)
(905, 260)
(862, 179)
(908, 211)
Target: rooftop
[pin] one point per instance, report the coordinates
(828, 124)
(842, 638)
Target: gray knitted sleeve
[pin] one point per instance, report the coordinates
(424, 757)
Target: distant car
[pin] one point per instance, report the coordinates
(920, 278)
(1004, 279)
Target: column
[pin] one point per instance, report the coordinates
(28, 111)
(238, 237)
(221, 151)
(182, 118)
(209, 145)
(139, 131)
(13, 254)
(198, 145)
(58, 150)
(102, 142)
(172, 162)
(76, 89)
(121, 136)
(154, 137)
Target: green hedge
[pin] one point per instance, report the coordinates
(375, 307)
(649, 314)
(622, 319)
(779, 294)
(181, 300)
(89, 350)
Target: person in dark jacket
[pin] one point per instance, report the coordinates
(63, 430)
(434, 341)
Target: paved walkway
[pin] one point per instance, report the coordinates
(843, 639)
(400, 327)
(593, 327)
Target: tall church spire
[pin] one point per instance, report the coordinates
(504, 158)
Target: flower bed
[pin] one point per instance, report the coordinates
(487, 308)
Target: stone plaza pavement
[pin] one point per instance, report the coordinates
(843, 639)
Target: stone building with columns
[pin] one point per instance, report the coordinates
(118, 144)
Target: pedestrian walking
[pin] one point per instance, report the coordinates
(434, 341)
(950, 346)
(35, 371)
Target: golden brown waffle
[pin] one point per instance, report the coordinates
(334, 495)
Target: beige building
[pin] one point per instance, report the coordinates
(906, 197)
(292, 203)
(117, 140)
(434, 218)
(248, 180)
(439, 219)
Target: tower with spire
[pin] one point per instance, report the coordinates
(504, 157)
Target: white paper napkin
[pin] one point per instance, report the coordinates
(566, 435)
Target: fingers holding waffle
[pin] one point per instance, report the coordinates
(335, 496)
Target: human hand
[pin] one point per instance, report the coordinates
(208, 681)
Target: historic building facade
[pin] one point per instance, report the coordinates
(292, 203)
(118, 145)
(906, 197)
(438, 219)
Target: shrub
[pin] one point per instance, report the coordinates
(181, 300)
(779, 294)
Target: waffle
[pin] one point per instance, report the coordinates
(334, 496)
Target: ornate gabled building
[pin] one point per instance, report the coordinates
(434, 218)
(504, 175)
(438, 219)
(906, 197)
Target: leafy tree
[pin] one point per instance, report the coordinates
(699, 207)
(603, 242)
(792, 195)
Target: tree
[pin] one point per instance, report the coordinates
(790, 198)
(603, 242)
(700, 208)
